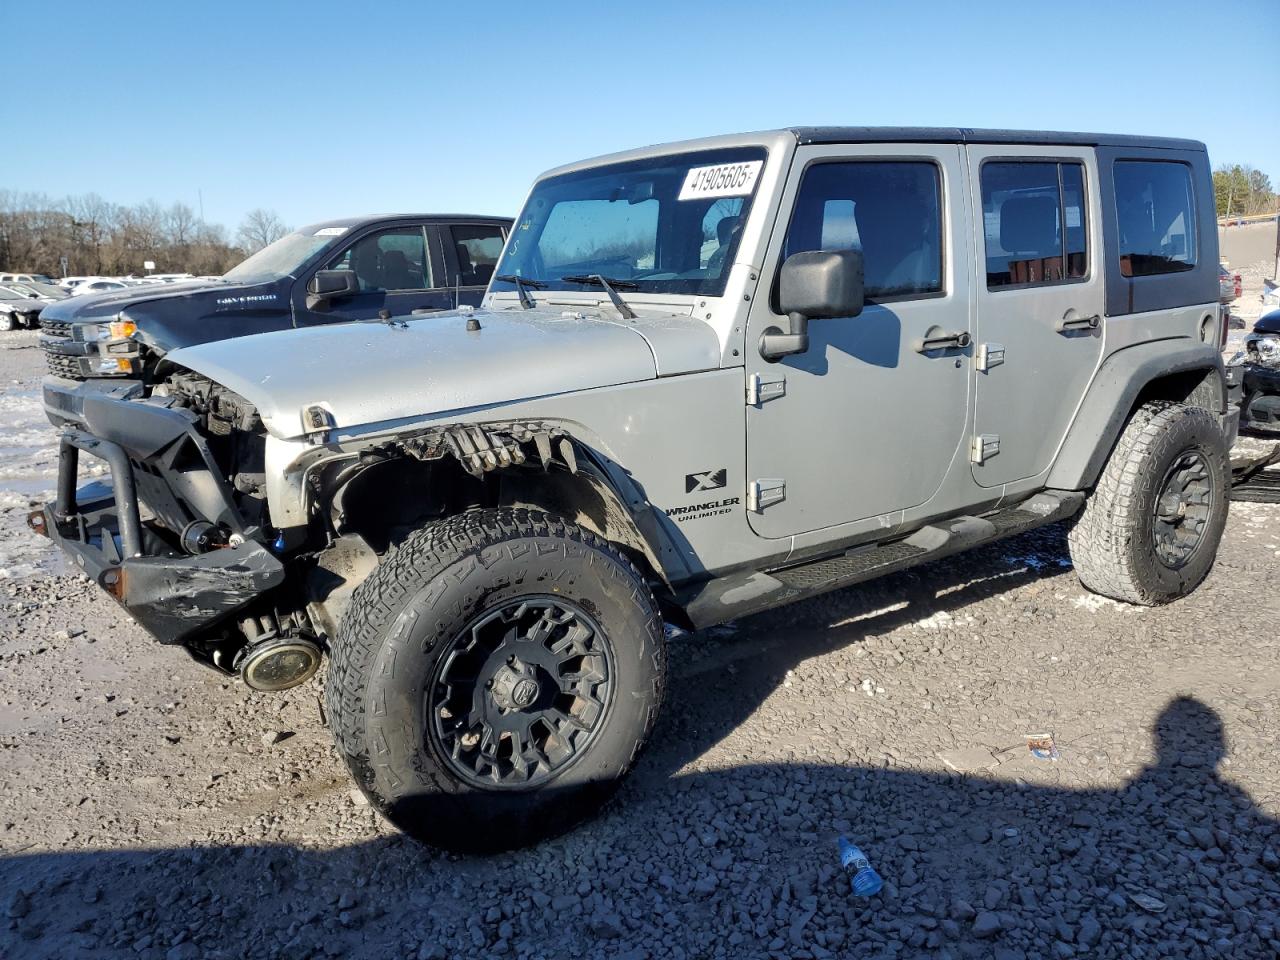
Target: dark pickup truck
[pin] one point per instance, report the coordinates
(360, 268)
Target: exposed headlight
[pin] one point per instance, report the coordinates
(114, 366)
(114, 330)
(1237, 358)
(1267, 349)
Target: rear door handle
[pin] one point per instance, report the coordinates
(1080, 323)
(936, 339)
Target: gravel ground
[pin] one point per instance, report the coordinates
(150, 808)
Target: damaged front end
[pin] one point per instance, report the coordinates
(179, 537)
(1253, 377)
(247, 549)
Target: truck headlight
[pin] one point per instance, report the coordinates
(113, 330)
(115, 366)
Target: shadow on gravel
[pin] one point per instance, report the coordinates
(737, 862)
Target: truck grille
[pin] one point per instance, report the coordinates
(59, 364)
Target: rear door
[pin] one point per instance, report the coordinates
(1039, 302)
(395, 273)
(471, 252)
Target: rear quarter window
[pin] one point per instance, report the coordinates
(1156, 217)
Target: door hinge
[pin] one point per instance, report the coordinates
(985, 446)
(760, 390)
(765, 493)
(990, 355)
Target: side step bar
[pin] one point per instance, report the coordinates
(742, 593)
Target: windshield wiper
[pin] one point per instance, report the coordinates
(608, 283)
(520, 283)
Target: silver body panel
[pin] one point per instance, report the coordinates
(871, 438)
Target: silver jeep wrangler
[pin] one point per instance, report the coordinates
(707, 379)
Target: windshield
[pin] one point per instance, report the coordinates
(281, 259)
(661, 225)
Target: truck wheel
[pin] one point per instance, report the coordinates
(1149, 531)
(495, 679)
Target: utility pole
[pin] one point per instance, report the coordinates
(1276, 275)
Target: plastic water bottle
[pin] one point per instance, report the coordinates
(864, 880)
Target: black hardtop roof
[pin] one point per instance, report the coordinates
(807, 135)
(378, 218)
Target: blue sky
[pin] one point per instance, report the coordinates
(324, 109)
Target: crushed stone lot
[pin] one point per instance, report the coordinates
(152, 808)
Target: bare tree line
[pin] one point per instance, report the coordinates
(102, 238)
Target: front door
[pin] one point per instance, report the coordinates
(868, 420)
(1039, 302)
(395, 273)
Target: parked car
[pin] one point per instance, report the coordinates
(353, 269)
(24, 277)
(101, 285)
(18, 309)
(708, 379)
(1229, 287)
(1253, 375)
(47, 292)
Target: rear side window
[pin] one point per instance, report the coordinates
(1155, 211)
(890, 210)
(1034, 222)
(478, 248)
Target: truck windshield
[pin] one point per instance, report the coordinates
(661, 225)
(280, 259)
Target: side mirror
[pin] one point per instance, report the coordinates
(329, 285)
(813, 285)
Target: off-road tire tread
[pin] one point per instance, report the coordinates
(1099, 539)
(406, 570)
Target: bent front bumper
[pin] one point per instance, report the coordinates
(64, 398)
(173, 595)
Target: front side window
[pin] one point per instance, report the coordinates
(477, 248)
(1034, 222)
(667, 224)
(389, 260)
(889, 210)
(1155, 211)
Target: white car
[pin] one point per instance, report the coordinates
(24, 277)
(96, 285)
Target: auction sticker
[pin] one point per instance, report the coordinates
(721, 180)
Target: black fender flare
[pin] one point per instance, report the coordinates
(1117, 387)
(576, 481)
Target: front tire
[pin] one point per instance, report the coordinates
(6, 322)
(495, 679)
(1149, 531)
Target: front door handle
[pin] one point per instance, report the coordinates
(1080, 323)
(936, 338)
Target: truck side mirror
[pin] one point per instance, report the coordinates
(813, 285)
(328, 285)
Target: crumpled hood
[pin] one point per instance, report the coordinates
(375, 373)
(87, 306)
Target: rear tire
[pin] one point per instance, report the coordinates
(495, 679)
(1149, 531)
